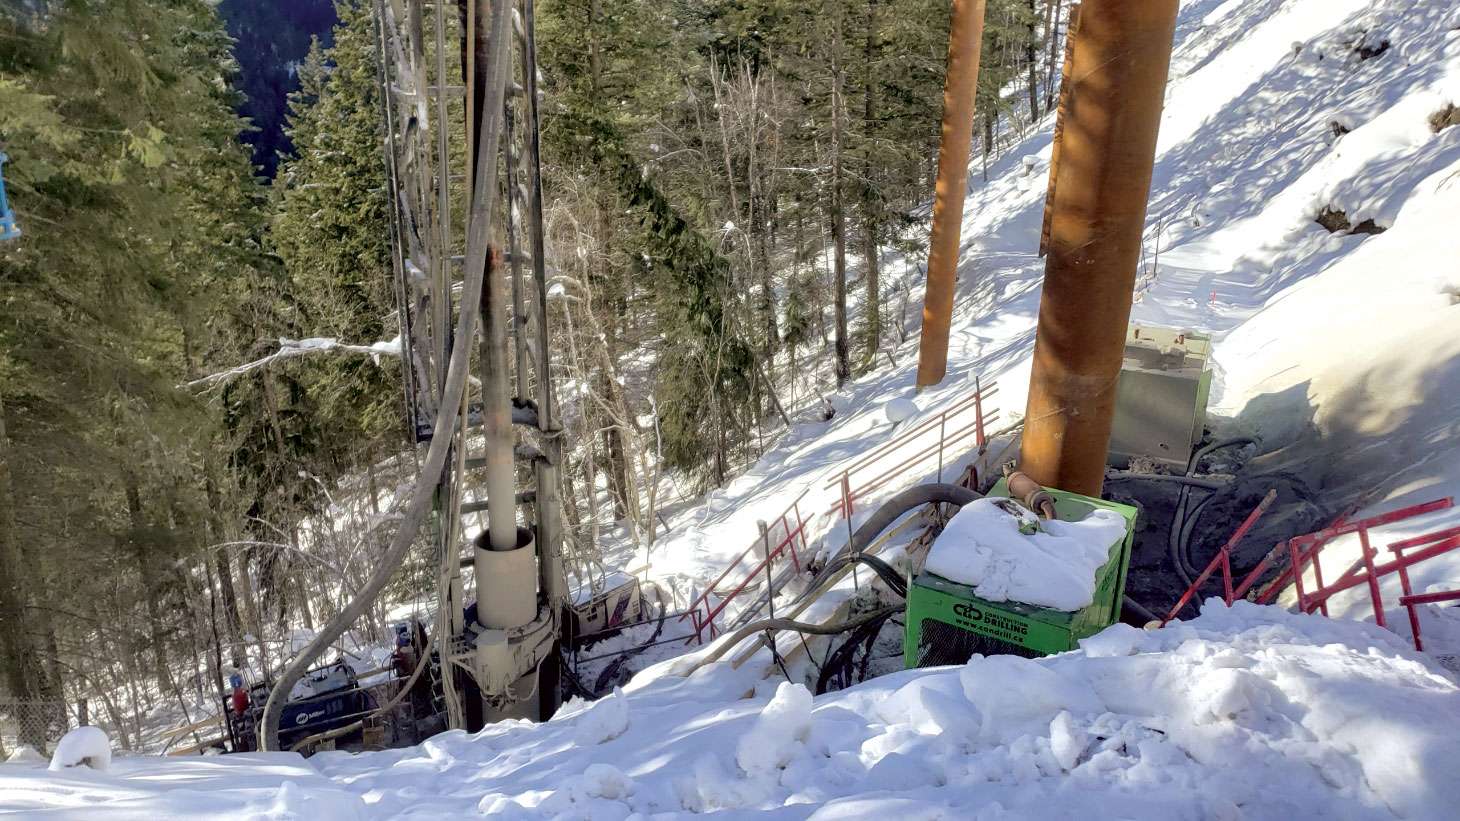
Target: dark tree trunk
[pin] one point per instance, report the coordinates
(871, 211)
(843, 364)
(1031, 56)
(19, 667)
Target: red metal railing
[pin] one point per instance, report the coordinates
(969, 425)
(790, 523)
(1223, 559)
(859, 480)
(1408, 598)
(1304, 553)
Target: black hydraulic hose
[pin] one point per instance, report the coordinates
(1235, 441)
(1188, 528)
(1178, 518)
(1141, 610)
(890, 511)
(885, 571)
(839, 662)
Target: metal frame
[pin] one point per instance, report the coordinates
(444, 218)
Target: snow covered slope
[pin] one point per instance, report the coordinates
(1341, 350)
(1243, 713)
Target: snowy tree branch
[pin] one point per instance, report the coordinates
(289, 348)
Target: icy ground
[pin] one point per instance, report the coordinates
(1248, 713)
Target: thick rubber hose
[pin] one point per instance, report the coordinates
(890, 511)
(754, 627)
(889, 575)
(1141, 610)
(1178, 554)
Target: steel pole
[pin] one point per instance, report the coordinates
(1108, 144)
(965, 38)
(489, 85)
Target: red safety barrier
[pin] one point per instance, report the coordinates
(794, 528)
(967, 420)
(897, 457)
(1223, 559)
(1366, 570)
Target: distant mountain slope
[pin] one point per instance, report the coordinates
(273, 37)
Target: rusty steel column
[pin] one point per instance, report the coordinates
(1108, 143)
(965, 39)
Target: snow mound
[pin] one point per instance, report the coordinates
(83, 745)
(900, 410)
(1008, 554)
(606, 720)
(1249, 712)
(25, 754)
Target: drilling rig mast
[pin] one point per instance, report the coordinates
(460, 101)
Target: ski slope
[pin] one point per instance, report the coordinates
(1341, 350)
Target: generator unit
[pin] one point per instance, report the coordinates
(1161, 399)
(948, 624)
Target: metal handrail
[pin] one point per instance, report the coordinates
(844, 506)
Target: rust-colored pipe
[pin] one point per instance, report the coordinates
(965, 39)
(1108, 145)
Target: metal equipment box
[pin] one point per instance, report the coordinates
(947, 623)
(1161, 401)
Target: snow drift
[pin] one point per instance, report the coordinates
(1251, 712)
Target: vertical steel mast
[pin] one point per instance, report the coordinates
(459, 89)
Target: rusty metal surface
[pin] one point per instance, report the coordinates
(965, 39)
(1117, 82)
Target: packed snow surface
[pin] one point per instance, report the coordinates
(1006, 553)
(1252, 712)
(83, 745)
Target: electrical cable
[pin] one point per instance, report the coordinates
(610, 671)
(839, 662)
(1178, 517)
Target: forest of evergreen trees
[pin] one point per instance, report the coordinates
(721, 178)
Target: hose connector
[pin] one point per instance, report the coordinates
(1031, 494)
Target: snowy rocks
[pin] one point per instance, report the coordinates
(606, 720)
(25, 754)
(87, 746)
(900, 410)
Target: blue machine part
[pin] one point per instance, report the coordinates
(8, 228)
